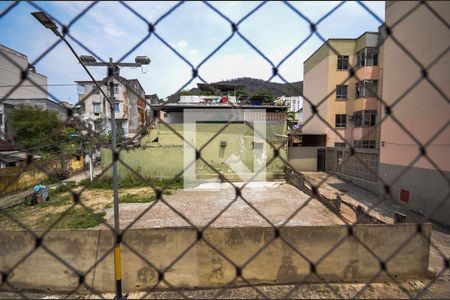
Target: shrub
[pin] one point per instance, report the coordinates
(60, 174)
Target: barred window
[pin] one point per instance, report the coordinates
(364, 144)
(365, 118)
(341, 91)
(95, 90)
(116, 89)
(339, 145)
(367, 57)
(342, 62)
(341, 121)
(97, 107)
(366, 88)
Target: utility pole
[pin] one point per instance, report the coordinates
(113, 70)
(117, 261)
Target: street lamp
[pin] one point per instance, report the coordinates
(113, 69)
(46, 21)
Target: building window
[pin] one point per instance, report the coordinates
(95, 90)
(341, 92)
(365, 118)
(339, 145)
(1, 119)
(116, 107)
(341, 121)
(342, 62)
(366, 88)
(367, 57)
(98, 126)
(116, 88)
(97, 108)
(258, 146)
(364, 144)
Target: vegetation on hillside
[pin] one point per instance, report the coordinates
(250, 86)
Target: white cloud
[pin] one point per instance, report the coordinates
(182, 44)
(193, 52)
(112, 31)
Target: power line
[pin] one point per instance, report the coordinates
(31, 85)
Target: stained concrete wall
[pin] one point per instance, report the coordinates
(424, 111)
(201, 266)
(161, 152)
(303, 159)
(428, 189)
(11, 74)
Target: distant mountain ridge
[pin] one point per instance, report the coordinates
(251, 84)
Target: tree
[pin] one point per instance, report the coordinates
(267, 95)
(37, 128)
(242, 93)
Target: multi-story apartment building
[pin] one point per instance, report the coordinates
(29, 92)
(348, 107)
(424, 111)
(129, 105)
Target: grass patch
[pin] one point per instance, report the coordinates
(62, 188)
(132, 182)
(130, 198)
(41, 216)
(76, 218)
(57, 200)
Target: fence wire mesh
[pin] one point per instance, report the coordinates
(160, 190)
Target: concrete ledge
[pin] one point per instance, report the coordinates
(286, 259)
(334, 202)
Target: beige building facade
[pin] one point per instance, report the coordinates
(424, 112)
(348, 108)
(13, 92)
(129, 105)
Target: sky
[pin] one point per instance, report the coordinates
(193, 29)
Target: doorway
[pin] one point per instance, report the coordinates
(321, 160)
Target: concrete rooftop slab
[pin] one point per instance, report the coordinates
(263, 203)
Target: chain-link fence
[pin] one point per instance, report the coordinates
(230, 268)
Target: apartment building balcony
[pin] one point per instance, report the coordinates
(365, 133)
(368, 72)
(364, 103)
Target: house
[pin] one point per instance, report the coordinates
(212, 93)
(10, 156)
(238, 143)
(32, 91)
(129, 105)
(424, 111)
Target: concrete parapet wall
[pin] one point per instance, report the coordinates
(202, 266)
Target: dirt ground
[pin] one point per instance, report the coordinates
(273, 202)
(402, 290)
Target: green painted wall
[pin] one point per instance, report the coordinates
(161, 151)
